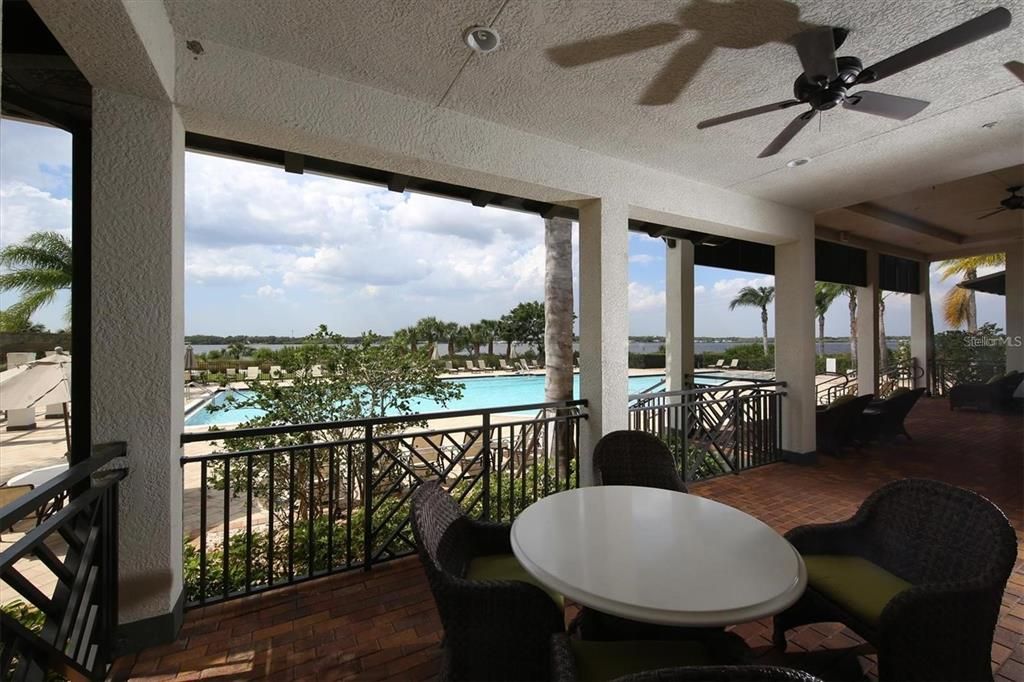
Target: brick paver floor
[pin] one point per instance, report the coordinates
(383, 625)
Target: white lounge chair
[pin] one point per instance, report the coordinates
(451, 368)
(735, 364)
(483, 366)
(523, 366)
(231, 373)
(471, 367)
(503, 365)
(316, 371)
(252, 373)
(720, 363)
(276, 372)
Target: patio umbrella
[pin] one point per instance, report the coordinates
(43, 381)
(190, 357)
(434, 355)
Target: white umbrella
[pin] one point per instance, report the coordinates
(190, 357)
(434, 355)
(44, 381)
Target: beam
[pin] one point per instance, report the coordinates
(398, 183)
(832, 235)
(906, 222)
(294, 163)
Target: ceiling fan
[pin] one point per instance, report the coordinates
(826, 80)
(1014, 202)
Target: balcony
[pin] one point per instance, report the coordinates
(382, 624)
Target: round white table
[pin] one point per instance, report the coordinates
(658, 556)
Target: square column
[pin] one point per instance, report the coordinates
(1015, 306)
(868, 311)
(794, 345)
(922, 331)
(679, 315)
(138, 244)
(604, 324)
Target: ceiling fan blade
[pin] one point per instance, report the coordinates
(677, 73)
(788, 133)
(746, 113)
(881, 104)
(998, 210)
(817, 52)
(614, 45)
(977, 28)
(1016, 68)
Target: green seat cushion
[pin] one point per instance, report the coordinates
(599, 661)
(855, 583)
(506, 567)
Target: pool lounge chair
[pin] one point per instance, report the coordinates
(503, 365)
(483, 366)
(533, 365)
(720, 363)
(523, 366)
(735, 364)
(231, 373)
(451, 368)
(471, 367)
(252, 373)
(276, 372)
(316, 371)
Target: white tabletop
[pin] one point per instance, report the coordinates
(37, 477)
(658, 556)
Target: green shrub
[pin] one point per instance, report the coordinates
(33, 620)
(646, 360)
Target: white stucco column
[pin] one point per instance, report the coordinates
(604, 324)
(1015, 306)
(868, 308)
(922, 333)
(794, 343)
(679, 315)
(137, 343)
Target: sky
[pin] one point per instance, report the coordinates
(268, 252)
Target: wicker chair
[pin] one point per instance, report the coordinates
(953, 548)
(636, 458)
(494, 629)
(992, 396)
(840, 424)
(883, 419)
(564, 668)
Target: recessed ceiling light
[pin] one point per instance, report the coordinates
(990, 124)
(482, 39)
(798, 162)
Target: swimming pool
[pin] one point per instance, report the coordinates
(479, 393)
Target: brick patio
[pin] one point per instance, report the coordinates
(382, 624)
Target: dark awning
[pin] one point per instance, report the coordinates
(990, 284)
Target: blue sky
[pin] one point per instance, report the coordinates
(269, 252)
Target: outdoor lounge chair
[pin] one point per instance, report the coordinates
(919, 572)
(483, 366)
(735, 364)
(276, 372)
(450, 367)
(497, 619)
(231, 373)
(533, 365)
(503, 365)
(647, 661)
(252, 373)
(523, 366)
(883, 419)
(720, 363)
(471, 367)
(841, 423)
(992, 396)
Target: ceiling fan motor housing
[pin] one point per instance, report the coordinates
(824, 96)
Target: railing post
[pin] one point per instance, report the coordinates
(368, 497)
(686, 437)
(486, 453)
(737, 428)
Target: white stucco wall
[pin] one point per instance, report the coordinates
(679, 315)
(868, 317)
(794, 342)
(137, 335)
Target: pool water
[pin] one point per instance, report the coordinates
(478, 393)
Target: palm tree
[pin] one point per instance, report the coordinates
(428, 330)
(476, 336)
(558, 320)
(825, 293)
(760, 297)
(507, 333)
(490, 330)
(39, 267)
(959, 307)
(450, 332)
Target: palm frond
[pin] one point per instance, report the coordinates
(956, 307)
(970, 264)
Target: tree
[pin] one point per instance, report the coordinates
(507, 333)
(959, 307)
(476, 335)
(375, 378)
(558, 321)
(238, 351)
(525, 324)
(39, 267)
(428, 330)
(491, 332)
(760, 297)
(14, 321)
(825, 293)
(450, 332)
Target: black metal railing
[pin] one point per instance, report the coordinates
(900, 375)
(946, 374)
(280, 505)
(716, 430)
(68, 631)
(834, 387)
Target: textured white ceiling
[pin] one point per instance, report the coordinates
(733, 50)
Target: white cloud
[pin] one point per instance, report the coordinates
(269, 292)
(25, 209)
(643, 258)
(644, 298)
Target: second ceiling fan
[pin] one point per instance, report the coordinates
(826, 80)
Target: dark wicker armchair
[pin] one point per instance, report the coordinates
(884, 419)
(991, 396)
(636, 458)
(918, 571)
(494, 629)
(566, 666)
(841, 423)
